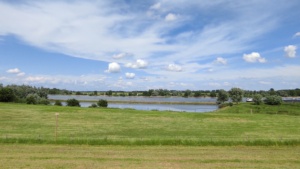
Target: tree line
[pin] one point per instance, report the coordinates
(188, 93)
(39, 95)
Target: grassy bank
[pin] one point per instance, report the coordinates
(75, 157)
(231, 126)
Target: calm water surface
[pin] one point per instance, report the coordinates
(133, 98)
(160, 107)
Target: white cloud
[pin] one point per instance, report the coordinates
(156, 6)
(13, 71)
(139, 64)
(3, 78)
(297, 34)
(21, 74)
(265, 82)
(254, 57)
(171, 17)
(214, 84)
(121, 55)
(113, 67)
(130, 75)
(226, 84)
(100, 29)
(290, 51)
(39, 79)
(16, 71)
(221, 60)
(174, 68)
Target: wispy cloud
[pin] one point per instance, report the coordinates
(145, 39)
(170, 17)
(221, 60)
(297, 34)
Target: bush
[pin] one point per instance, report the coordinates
(44, 101)
(58, 103)
(73, 103)
(93, 105)
(257, 99)
(102, 103)
(273, 100)
(225, 105)
(32, 99)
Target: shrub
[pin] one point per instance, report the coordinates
(44, 101)
(102, 103)
(273, 100)
(58, 103)
(32, 99)
(93, 105)
(257, 99)
(73, 103)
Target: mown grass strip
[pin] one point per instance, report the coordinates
(153, 142)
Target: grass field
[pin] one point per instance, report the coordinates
(230, 126)
(146, 157)
(242, 136)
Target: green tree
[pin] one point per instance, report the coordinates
(187, 93)
(109, 93)
(222, 96)
(257, 99)
(272, 91)
(236, 95)
(73, 103)
(102, 103)
(197, 94)
(213, 94)
(7, 95)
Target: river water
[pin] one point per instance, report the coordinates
(175, 106)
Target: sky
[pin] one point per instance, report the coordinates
(151, 44)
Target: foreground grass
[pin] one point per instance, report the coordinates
(237, 125)
(75, 157)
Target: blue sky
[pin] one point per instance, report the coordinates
(151, 44)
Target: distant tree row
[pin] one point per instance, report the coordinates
(27, 94)
(236, 95)
(19, 93)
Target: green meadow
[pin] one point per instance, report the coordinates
(232, 137)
